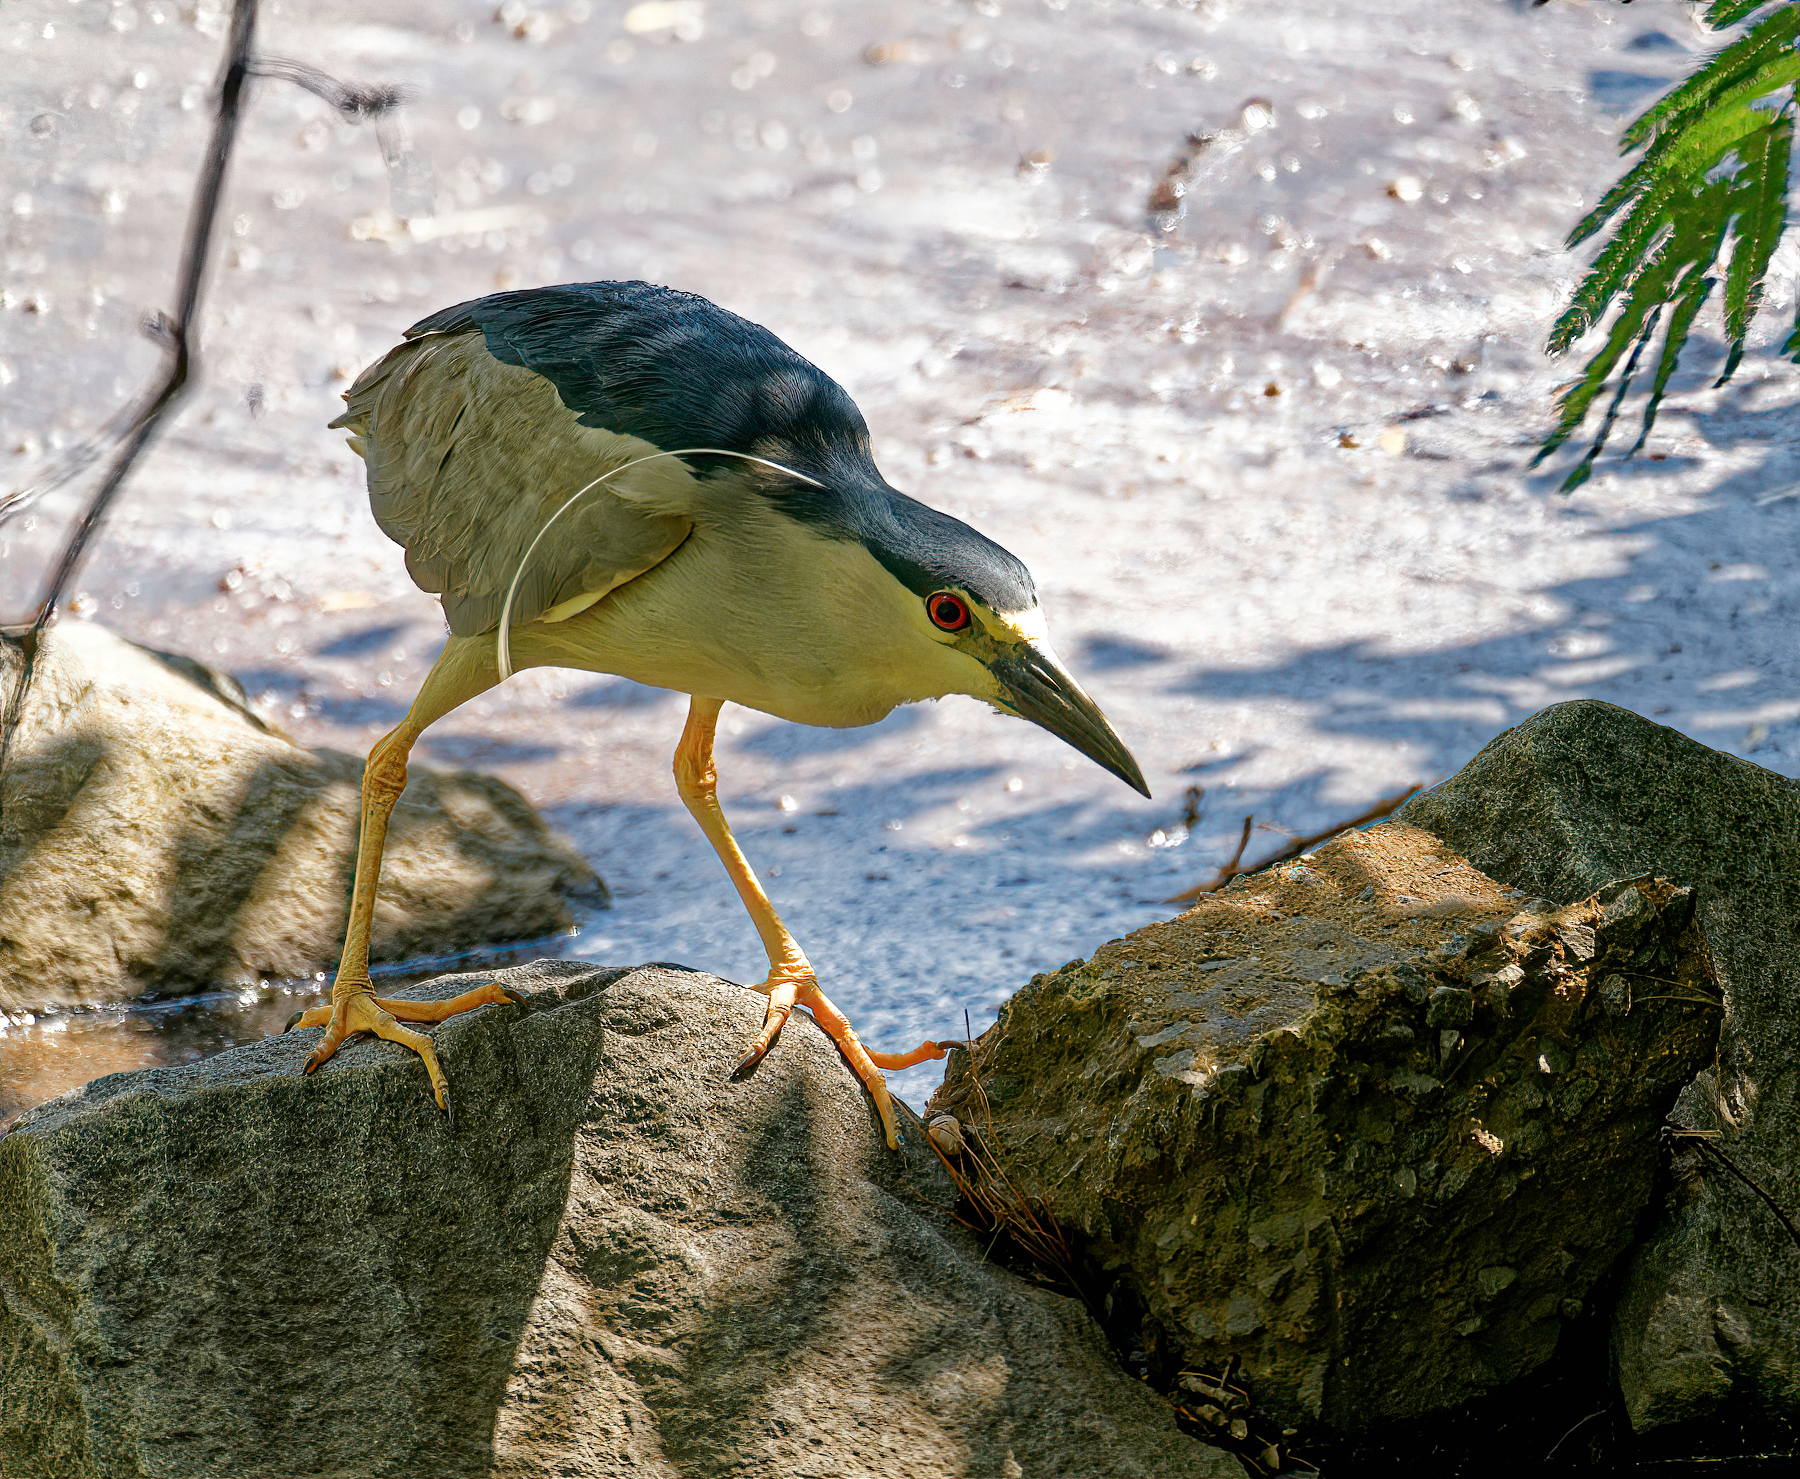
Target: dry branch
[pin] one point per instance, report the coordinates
(1293, 849)
(129, 433)
(1702, 1140)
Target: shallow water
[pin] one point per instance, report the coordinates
(42, 1055)
(1268, 458)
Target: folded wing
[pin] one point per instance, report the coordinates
(469, 458)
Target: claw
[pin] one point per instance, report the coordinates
(293, 1019)
(450, 1111)
(515, 996)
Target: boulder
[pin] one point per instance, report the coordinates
(1708, 1328)
(623, 1261)
(157, 838)
(1365, 1129)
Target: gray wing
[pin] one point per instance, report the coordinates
(468, 458)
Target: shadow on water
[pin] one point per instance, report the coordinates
(1729, 683)
(483, 749)
(1655, 41)
(620, 693)
(353, 712)
(783, 741)
(264, 680)
(1614, 91)
(365, 642)
(1108, 652)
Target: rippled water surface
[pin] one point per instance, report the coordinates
(1225, 317)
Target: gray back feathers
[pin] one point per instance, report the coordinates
(468, 458)
(493, 413)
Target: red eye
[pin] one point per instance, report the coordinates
(947, 611)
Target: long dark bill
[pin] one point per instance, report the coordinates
(1041, 689)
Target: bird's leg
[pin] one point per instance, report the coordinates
(791, 979)
(354, 1006)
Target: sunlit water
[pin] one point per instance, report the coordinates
(1268, 458)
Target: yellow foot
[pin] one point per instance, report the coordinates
(358, 1009)
(787, 992)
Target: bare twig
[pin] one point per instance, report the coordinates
(1571, 1433)
(1703, 1141)
(130, 432)
(1223, 1411)
(1292, 849)
(84, 453)
(982, 1179)
(173, 331)
(1699, 1001)
(1226, 873)
(1661, 980)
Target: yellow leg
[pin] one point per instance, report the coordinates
(464, 669)
(791, 980)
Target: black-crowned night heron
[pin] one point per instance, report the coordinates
(627, 479)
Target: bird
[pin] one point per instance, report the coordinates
(625, 478)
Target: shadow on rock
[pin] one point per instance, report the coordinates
(625, 1262)
(1366, 1128)
(250, 1272)
(155, 837)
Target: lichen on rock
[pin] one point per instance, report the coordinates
(1370, 1124)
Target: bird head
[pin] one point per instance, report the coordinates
(960, 613)
(1022, 675)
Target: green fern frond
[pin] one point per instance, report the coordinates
(1713, 176)
(1760, 193)
(1729, 12)
(1697, 288)
(1762, 46)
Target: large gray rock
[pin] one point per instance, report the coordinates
(1369, 1126)
(156, 837)
(1709, 1325)
(623, 1262)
